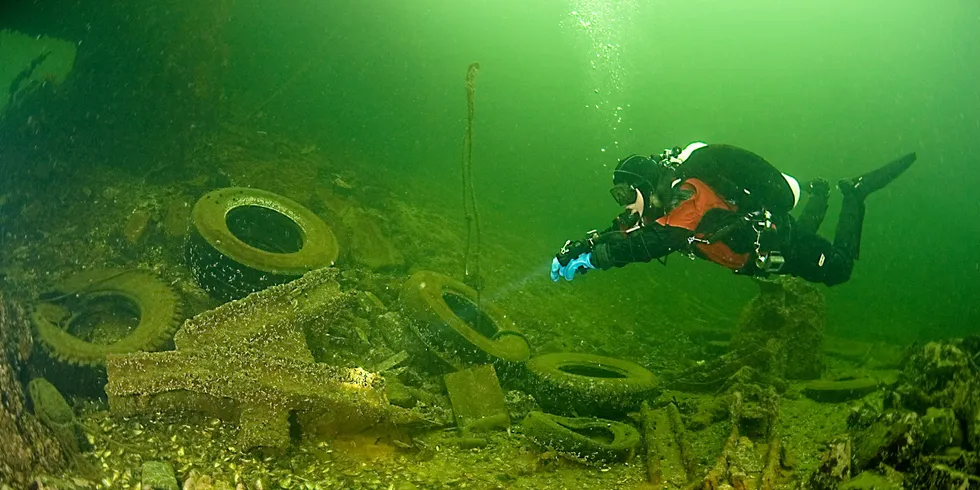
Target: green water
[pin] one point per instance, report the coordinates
(828, 89)
(164, 97)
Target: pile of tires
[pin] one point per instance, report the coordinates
(591, 389)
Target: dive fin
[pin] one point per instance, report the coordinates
(861, 187)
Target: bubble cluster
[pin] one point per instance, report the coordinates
(607, 25)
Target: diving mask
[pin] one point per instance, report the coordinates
(624, 194)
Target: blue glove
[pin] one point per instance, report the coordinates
(583, 262)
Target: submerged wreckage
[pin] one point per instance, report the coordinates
(248, 361)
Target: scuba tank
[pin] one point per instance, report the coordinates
(762, 194)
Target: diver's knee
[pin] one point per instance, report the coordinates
(838, 270)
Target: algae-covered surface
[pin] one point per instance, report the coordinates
(115, 120)
(194, 405)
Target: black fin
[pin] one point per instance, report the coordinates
(861, 187)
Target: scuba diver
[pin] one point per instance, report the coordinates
(730, 206)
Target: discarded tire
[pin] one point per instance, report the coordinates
(245, 240)
(590, 439)
(88, 299)
(586, 384)
(836, 391)
(455, 329)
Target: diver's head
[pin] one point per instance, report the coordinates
(636, 185)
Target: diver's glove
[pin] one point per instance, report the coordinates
(582, 262)
(574, 255)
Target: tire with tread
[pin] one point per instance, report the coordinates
(425, 297)
(158, 309)
(228, 267)
(588, 384)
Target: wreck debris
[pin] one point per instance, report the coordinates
(717, 373)
(247, 360)
(478, 401)
(669, 457)
(790, 312)
(745, 463)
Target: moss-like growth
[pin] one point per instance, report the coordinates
(157, 475)
(791, 312)
(248, 360)
(54, 412)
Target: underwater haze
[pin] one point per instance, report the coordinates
(307, 244)
(566, 88)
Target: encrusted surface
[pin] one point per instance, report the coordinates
(251, 355)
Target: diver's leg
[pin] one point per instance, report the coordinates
(812, 257)
(848, 234)
(816, 206)
(847, 237)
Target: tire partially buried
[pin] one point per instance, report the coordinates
(591, 439)
(587, 384)
(455, 329)
(103, 296)
(245, 240)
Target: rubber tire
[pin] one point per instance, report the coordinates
(561, 434)
(839, 391)
(229, 268)
(159, 311)
(450, 337)
(565, 392)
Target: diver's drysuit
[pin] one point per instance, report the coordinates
(727, 205)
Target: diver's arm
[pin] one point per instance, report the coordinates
(650, 242)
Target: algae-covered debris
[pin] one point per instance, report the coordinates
(478, 401)
(54, 412)
(157, 475)
(248, 360)
(669, 455)
(788, 314)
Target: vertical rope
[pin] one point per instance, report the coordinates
(471, 269)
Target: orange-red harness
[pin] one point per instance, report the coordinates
(688, 215)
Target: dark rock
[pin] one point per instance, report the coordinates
(870, 481)
(973, 431)
(28, 448)
(834, 468)
(894, 439)
(937, 364)
(862, 415)
(941, 475)
(941, 430)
